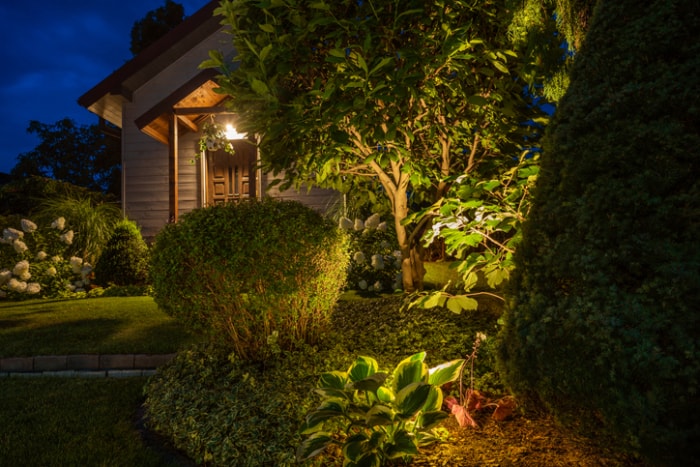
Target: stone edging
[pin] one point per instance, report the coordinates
(88, 365)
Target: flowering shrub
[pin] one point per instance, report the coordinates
(375, 262)
(33, 262)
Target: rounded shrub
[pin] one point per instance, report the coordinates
(125, 257)
(260, 276)
(602, 322)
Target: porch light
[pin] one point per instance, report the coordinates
(232, 134)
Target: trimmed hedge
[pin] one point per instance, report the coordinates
(258, 276)
(125, 257)
(602, 322)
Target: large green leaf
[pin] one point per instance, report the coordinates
(428, 420)
(313, 445)
(404, 444)
(327, 410)
(411, 399)
(410, 370)
(372, 383)
(445, 372)
(334, 380)
(362, 368)
(379, 414)
(434, 401)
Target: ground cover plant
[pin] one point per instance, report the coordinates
(221, 410)
(95, 325)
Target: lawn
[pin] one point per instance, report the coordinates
(105, 325)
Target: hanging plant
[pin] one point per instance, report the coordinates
(213, 139)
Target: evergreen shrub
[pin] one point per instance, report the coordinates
(125, 257)
(259, 276)
(602, 322)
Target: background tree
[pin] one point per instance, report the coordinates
(406, 95)
(155, 24)
(81, 155)
(602, 322)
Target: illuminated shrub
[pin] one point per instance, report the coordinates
(259, 276)
(124, 259)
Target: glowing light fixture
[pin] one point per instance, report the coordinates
(232, 134)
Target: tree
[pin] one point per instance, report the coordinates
(82, 155)
(408, 95)
(155, 24)
(602, 321)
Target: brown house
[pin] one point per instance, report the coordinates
(161, 100)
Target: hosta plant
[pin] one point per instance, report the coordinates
(376, 417)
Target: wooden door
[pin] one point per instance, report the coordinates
(231, 177)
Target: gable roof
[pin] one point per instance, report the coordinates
(107, 97)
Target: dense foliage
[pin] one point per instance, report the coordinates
(155, 24)
(229, 412)
(125, 258)
(603, 323)
(83, 155)
(355, 94)
(260, 276)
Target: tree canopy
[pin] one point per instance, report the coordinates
(82, 155)
(155, 24)
(405, 95)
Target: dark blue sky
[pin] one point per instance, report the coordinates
(53, 52)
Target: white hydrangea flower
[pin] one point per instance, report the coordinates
(51, 271)
(372, 221)
(28, 226)
(377, 262)
(67, 237)
(377, 286)
(41, 256)
(382, 226)
(76, 264)
(56, 259)
(59, 223)
(5, 275)
(362, 284)
(10, 235)
(19, 246)
(397, 254)
(345, 223)
(21, 267)
(359, 225)
(359, 257)
(33, 288)
(17, 286)
(25, 276)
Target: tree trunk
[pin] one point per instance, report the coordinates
(412, 270)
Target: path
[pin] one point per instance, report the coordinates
(88, 365)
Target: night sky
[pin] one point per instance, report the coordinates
(52, 53)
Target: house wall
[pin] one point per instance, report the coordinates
(145, 188)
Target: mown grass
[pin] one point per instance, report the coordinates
(88, 326)
(72, 422)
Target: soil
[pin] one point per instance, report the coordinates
(529, 441)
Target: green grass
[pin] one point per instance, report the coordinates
(72, 422)
(102, 325)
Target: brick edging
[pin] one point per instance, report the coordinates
(84, 363)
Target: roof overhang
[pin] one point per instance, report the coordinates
(191, 104)
(107, 98)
